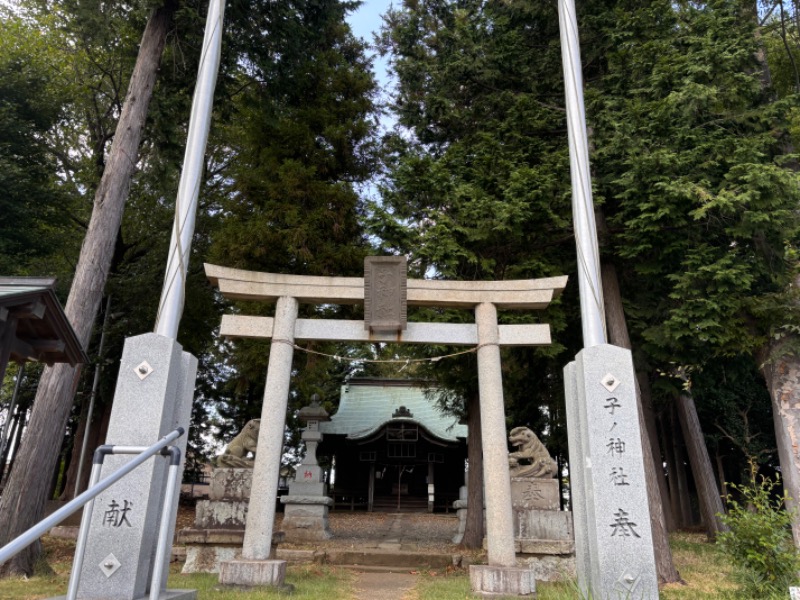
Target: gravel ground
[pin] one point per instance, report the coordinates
(422, 532)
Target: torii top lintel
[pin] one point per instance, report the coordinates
(530, 294)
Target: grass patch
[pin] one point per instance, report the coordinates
(33, 588)
(311, 582)
(455, 586)
(50, 577)
(708, 574)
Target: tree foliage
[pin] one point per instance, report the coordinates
(299, 142)
(33, 203)
(696, 183)
(759, 540)
(477, 171)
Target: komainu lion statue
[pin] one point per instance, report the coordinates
(235, 454)
(531, 459)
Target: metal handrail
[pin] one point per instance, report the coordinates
(96, 488)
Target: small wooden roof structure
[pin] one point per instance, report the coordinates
(33, 325)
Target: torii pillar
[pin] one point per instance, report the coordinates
(501, 576)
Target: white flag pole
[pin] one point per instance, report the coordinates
(170, 307)
(591, 289)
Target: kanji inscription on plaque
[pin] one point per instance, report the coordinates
(385, 298)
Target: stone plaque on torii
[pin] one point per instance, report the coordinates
(285, 329)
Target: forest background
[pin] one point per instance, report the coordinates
(693, 115)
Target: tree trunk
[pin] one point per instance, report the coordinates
(24, 497)
(5, 458)
(668, 443)
(71, 474)
(781, 369)
(684, 501)
(658, 461)
(723, 486)
(780, 366)
(473, 534)
(707, 492)
(97, 435)
(22, 420)
(618, 335)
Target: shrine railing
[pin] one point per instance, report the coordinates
(96, 487)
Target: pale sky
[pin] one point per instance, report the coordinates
(365, 21)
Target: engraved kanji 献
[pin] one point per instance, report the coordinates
(619, 476)
(117, 514)
(615, 447)
(623, 526)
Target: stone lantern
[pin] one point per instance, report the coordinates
(305, 515)
(311, 416)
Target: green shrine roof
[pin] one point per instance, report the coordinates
(367, 405)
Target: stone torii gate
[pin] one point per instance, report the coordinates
(387, 291)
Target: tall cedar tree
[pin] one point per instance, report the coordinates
(137, 267)
(478, 191)
(23, 500)
(301, 140)
(701, 203)
(84, 53)
(687, 158)
(33, 204)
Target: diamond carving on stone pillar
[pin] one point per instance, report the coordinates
(143, 370)
(110, 565)
(610, 382)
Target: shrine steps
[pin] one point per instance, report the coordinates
(407, 504)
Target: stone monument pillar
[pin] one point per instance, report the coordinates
(154, 394)
(305, 516)
(613, 540)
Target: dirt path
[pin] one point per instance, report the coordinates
(383, 586)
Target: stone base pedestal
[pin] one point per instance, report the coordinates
(551, 567)
(164, 595)
(228, 483)
(253, 573)
(220, 514)
(533, 493)
(305, 518)
(495, 582)
(207, 559)
(174, 595)
(219, 523)
(544, 542)
(206, 549)
(543, 524)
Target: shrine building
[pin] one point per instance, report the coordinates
(393, 449)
